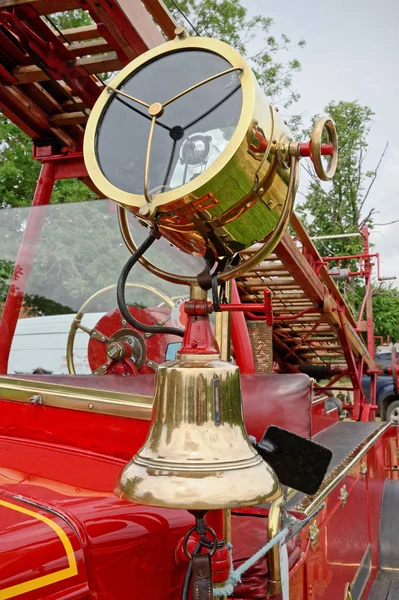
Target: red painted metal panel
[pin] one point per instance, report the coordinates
(124, 544)
(321, 419)
(41, 551)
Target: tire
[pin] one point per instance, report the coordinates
(392, 412)
(333, 402)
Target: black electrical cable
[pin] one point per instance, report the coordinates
(185, 17)
(120, 291)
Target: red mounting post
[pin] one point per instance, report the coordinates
(305, 149)
(24, 263)
(198, 337)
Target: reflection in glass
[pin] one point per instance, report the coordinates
(193, 131)
(80, 252)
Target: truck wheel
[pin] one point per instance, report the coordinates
(334, 402)
(392, 413)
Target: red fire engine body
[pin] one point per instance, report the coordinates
(64, 532)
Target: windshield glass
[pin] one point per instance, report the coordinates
(79, 252)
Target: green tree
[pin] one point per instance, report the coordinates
(70, 19)
(6, 271)
(228, 20)
(19, 172)
(386, 312)
(337, 207)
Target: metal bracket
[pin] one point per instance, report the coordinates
(36, 399)
(314, 533)
(348, 592)
(295, 525)
(363, 470)
(343, 495)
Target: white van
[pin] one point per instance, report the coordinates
(42, 341)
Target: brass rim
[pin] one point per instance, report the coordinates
(241, 268)
(76, 323)
(266, 154)
(325, 123)
(248, 100)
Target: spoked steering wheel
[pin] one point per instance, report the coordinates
(115, 346)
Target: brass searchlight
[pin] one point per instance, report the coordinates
(184, 135)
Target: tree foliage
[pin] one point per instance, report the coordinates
(228, 20)
(337, 207)
(6, 271)
(386, 312)
(19, 172)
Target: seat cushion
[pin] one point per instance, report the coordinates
(282, 400)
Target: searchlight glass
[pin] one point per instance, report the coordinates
(190, 134)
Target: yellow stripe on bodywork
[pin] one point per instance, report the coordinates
(39, 582)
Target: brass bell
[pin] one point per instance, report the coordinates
(197, 454)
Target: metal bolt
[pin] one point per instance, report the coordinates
(147, 335)
(129, 341)
(124, 322)
(180, 32)
(91, 406)
(149, 363)
(36, 399)
(144, 210)
(103, 368)
(261, 191)
(102, 338)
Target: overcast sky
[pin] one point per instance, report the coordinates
(351, 53)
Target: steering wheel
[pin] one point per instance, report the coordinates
(115, 346)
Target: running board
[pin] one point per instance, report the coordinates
(386, 584)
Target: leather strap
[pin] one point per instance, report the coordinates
(202, 577)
